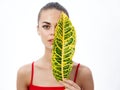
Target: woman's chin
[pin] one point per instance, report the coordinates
(49, 47)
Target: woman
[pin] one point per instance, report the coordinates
(38, 75)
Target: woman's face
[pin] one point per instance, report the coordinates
(47, 23)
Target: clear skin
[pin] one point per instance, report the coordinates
(46, 27)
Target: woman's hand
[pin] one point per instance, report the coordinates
(70, 85)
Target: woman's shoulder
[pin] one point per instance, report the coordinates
(24, 69)
(82, 69)
(24, 73)
(84, 76)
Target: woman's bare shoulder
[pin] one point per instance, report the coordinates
(24, 69)
(24, 74)
(84, 70)
(85, 77)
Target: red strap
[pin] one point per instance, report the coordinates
(32, 72)
(76, 72)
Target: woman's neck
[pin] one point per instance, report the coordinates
(47, 56)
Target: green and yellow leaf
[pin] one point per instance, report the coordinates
(63, 48)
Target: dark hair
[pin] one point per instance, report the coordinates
(53, 5)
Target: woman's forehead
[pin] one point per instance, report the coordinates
(50, 15)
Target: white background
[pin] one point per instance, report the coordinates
(97, 23)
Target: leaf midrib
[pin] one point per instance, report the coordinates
(62, 46)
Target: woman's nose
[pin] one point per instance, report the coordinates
(52, 31)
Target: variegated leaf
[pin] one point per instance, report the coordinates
(63, 48)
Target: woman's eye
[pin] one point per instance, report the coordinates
(46, 27)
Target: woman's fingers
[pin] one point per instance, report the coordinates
(70, 82)
(67, 86)
(70, 85)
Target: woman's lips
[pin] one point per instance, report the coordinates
(50, 41)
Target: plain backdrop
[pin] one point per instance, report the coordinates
(97, 23)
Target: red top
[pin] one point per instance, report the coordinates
(34, 87)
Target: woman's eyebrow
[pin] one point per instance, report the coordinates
(46, 22)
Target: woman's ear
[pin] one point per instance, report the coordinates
(38, 31)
